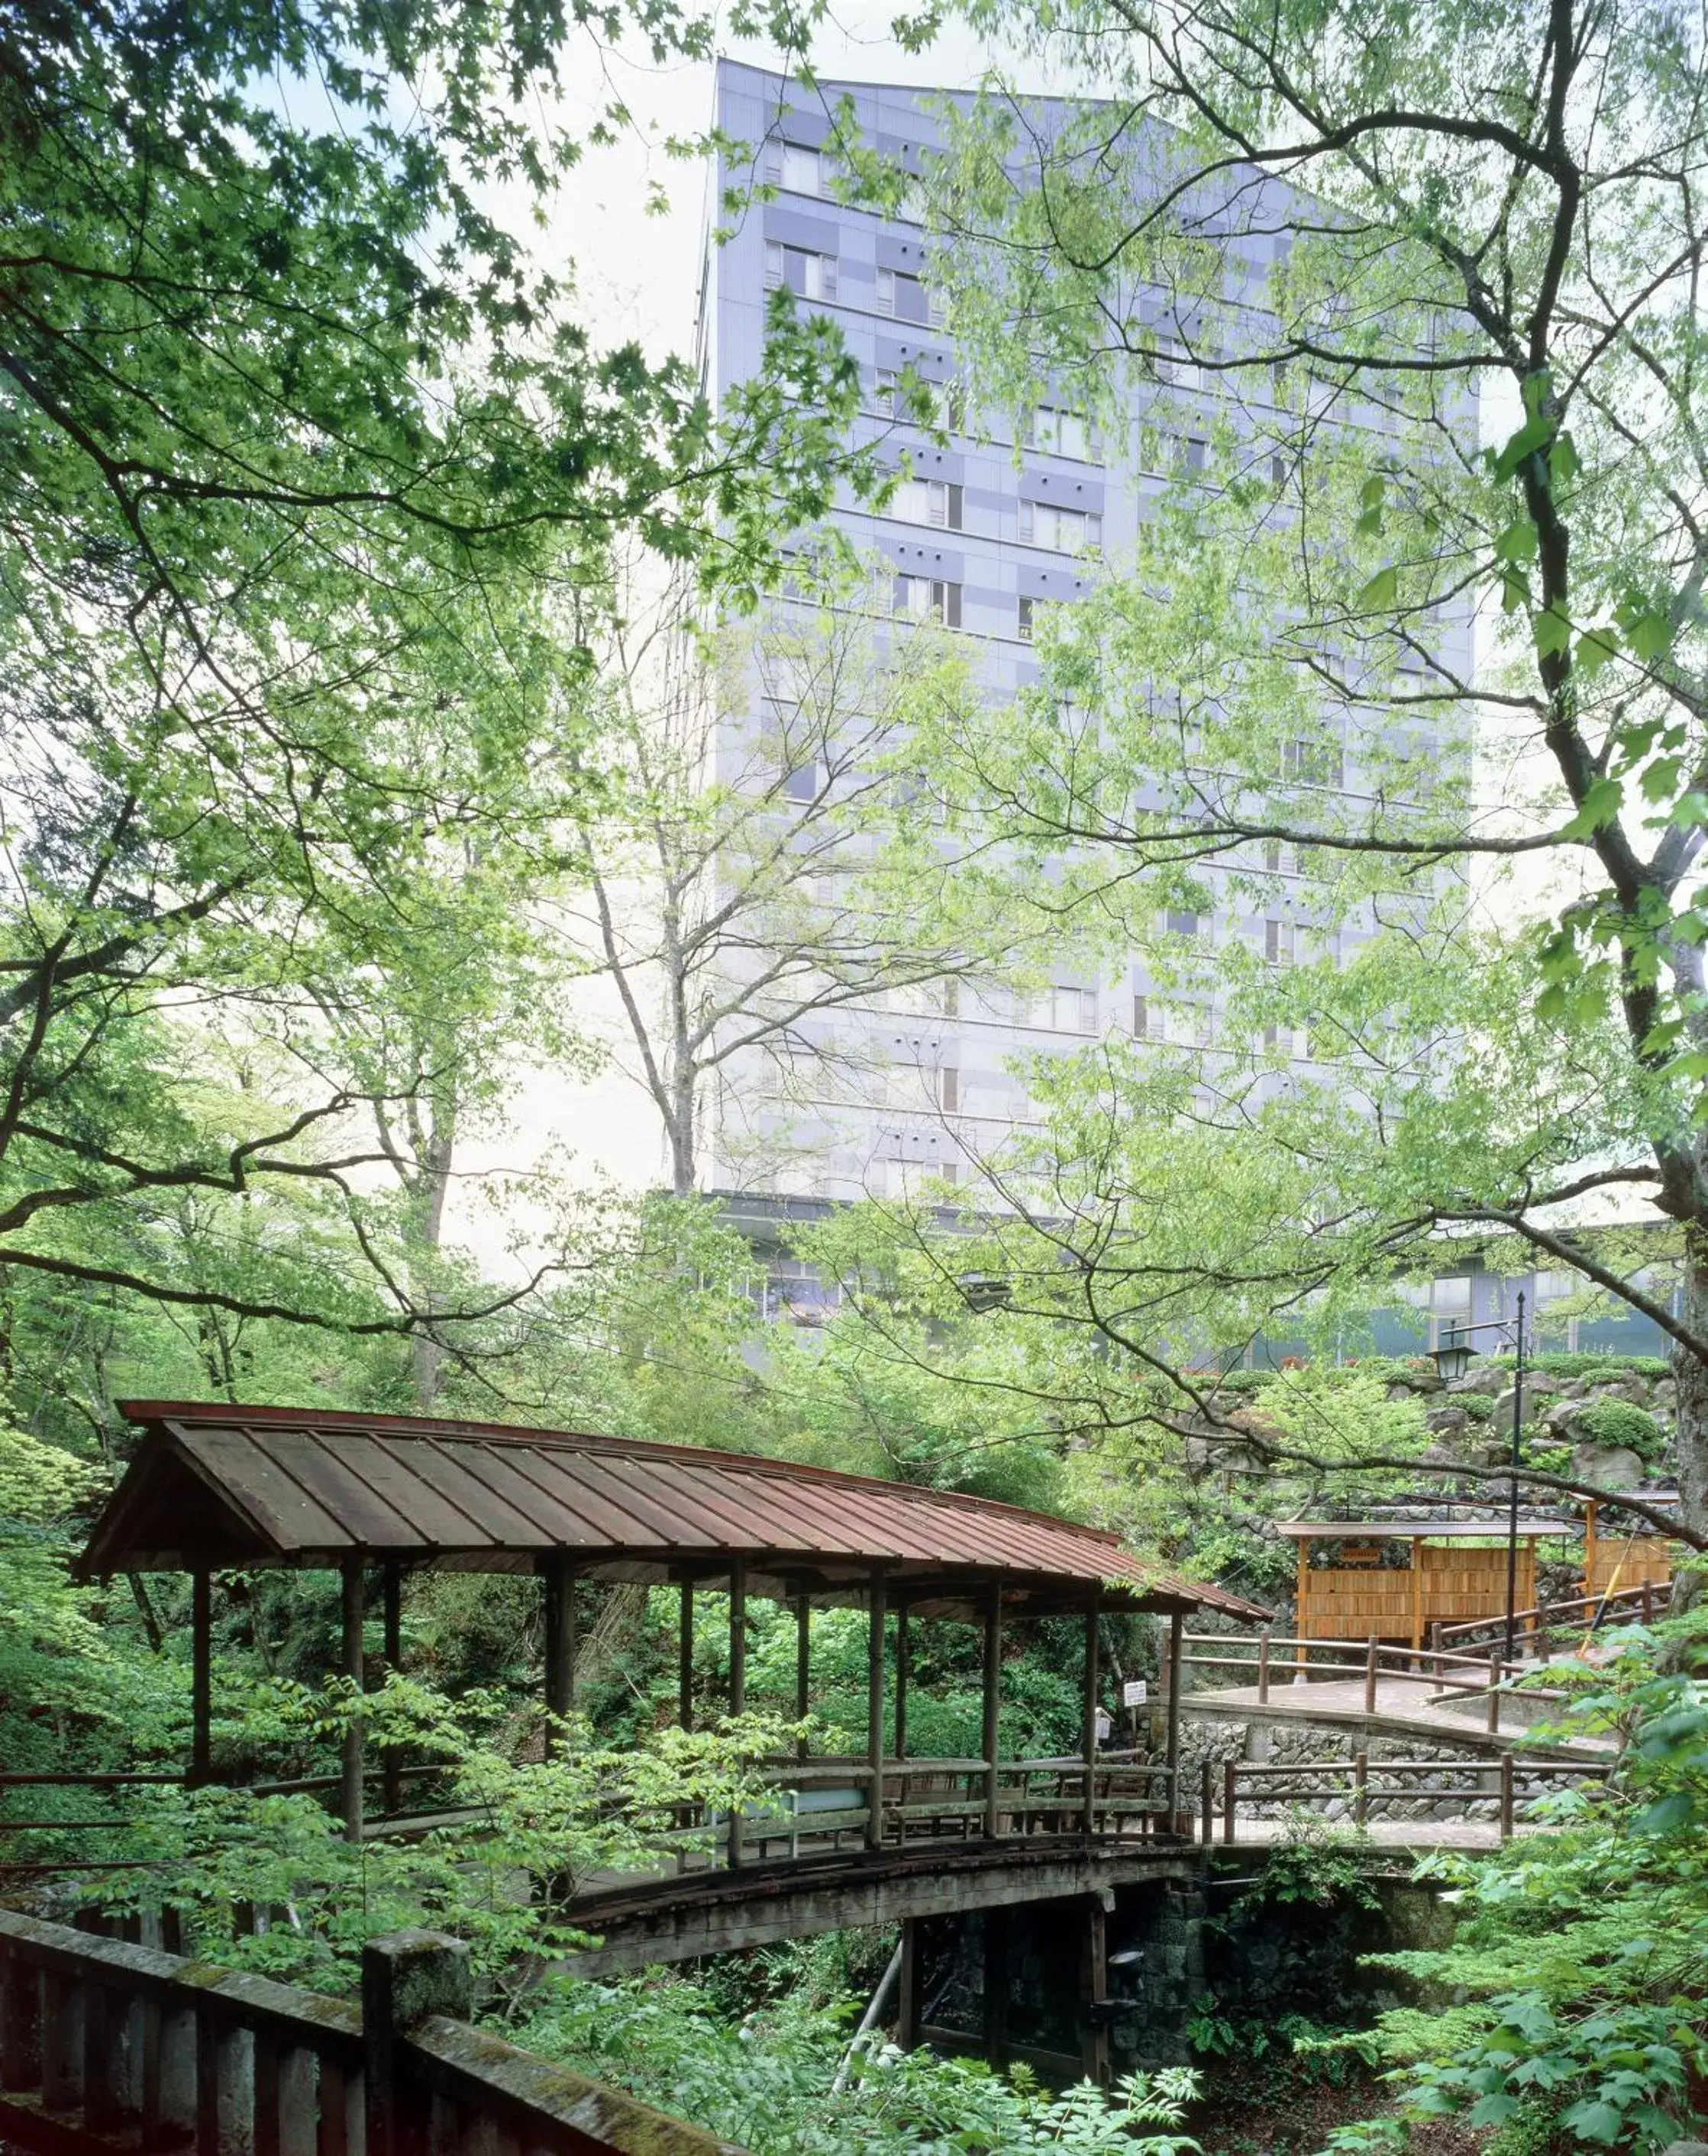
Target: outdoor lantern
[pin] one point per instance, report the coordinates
(1452, 1359)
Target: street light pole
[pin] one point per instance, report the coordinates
(1512, 1502)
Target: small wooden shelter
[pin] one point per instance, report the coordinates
(1455, 1570)
(215, 1488)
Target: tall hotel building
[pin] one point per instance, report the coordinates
(979, 540)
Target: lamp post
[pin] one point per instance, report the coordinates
(1451, 1359)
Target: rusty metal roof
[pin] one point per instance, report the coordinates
(220, 1487)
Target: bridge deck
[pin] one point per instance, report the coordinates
(1405, 1707)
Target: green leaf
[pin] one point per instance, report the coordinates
(1563, 463)
(1649, 634)
(1518, 542)
(1534, 435)
(1661, 780)
(1382, 591)
(1594, 649)
(1552, 633)
(1599, 806)
(1515, 591)
(1592, 2122)
(1493, 2110)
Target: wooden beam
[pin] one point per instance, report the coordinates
(560, 1645)
(355, 1609)
(201, 1675)
(803, 1665)
(685, 1657)
(392, 1597)
(904, 1655)
(874, 1709)
(992, 1698)
(1301, 1590)
(907, 2018)
(1088, 1810)
(738, 1636)
(1172, 1756)
(1417, 1593)
(1093, 1990)
(738, 1681)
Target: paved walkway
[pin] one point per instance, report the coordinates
(1404, 1707)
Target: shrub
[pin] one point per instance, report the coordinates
(1616, 1422)
(1479, 1406)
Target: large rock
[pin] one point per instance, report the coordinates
(1502, 1417)
(1488, 1380)
(1446, 1420)
(1613, 1466)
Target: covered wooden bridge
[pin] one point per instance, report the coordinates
(214, 1488)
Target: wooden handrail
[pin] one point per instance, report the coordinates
(103, 2043)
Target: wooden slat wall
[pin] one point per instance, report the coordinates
(1633, 1563)
(1459, 1582)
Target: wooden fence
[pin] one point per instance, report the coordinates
(106, 2045)
(1270, 1661)
(1361, 1786)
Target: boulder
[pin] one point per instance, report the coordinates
(1480, 1381)
(1446, 1420)
(1613, 1466)
(1502, 1417)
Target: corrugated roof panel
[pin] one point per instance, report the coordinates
(321, 1485)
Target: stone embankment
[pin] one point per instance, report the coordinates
(1313, 1747)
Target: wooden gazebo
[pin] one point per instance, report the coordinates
(216, 1487)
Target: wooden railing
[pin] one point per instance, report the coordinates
(1269, 1660)
(1568, 1618)
(106, 2045)
(1361, 1786)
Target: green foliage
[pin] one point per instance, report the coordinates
(210, 1853)
(1617, 1422)
(765, 2081)
(1318, 1862)
(1580, 1957)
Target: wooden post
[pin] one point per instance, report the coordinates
(1207, 1804)
(1093, 1990)
(1370, 1670)
(405, 1978)
(354, 1610)
(904, 1671)
(1494, 1722)
(738, 1636)
(1591, 1517)
(803, 1665)
(993, 1700)
(685, 1657)
(1506, 1796)
(560, 1645)
(1263, 1667)
(1301, 1631)
(1172, 1756)
(1088, 1809)
(1417, 1593)
(1230, 1776)
(1361, 1787)
(392, 1596)
(1648, 1593)
(201, 1675)
(996, 1986)
(874, 1710)
(907, 2000)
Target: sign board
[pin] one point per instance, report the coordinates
(1134, 1692)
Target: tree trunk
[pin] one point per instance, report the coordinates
(426, 1352)
(1691, 1373)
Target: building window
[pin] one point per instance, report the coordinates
(1178, 921)
(906, 298)
(929, 598)
(1313, 762)
(1067, 530)
(1023, 623)
(1194, 451)
(1073, 1010)
(1167, 361)
(802, 783)
(934, 501)
(809, 276)
(801, 170)
(1147, 1020)
(949, 1091)
(1061, 434)
(1278, 943)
